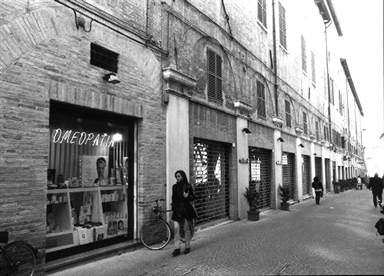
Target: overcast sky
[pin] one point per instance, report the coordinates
(362, 24)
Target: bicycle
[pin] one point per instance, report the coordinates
(156, 233)
(16, 258)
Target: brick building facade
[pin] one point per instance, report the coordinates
(236, 93)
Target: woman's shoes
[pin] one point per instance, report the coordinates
(176, 252)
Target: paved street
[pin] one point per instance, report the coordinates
(336, 237)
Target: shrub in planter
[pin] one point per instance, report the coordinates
(336, 187)
(252, 197)
(285, 195)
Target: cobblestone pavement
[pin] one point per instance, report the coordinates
(334, 238)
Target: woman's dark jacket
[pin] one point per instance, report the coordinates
(317, 185)
(182, 207)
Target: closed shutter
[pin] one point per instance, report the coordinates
(211, 174)
(214, 76)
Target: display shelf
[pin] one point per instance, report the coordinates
(87, 202)
(49, 235)
(57, 191)
(116, 187)
(85, 189)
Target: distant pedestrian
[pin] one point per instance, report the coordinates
(358, 184)
(318, 186)
(183, 211)
(376, 186)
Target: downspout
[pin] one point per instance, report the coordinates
(275, 85)
(328, 81)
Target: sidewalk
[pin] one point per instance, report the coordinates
(335, 237)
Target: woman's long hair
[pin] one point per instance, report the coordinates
(183, 175)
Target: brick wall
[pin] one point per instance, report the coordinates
(45, 58)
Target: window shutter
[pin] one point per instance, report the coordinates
(214, 76)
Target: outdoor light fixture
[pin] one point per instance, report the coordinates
(280, 139)
(246, 130)
(314, 154)
(111, 78)
(301, 145)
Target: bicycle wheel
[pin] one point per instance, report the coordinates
(155, 234)
(23, 256)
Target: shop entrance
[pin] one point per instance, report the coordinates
(90, 200)
(211, 172)
(288, 160)
(260, 174)
(306, 168)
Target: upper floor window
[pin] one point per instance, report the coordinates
(317, 130)
(104, 58)
(262, 12)
(340, 103)
(214, 76)
(282, 26)
(305, 123)
(332, 92)
(303, 55)
(260, 99)
(326, 136)
(288, 113)
(313, 66)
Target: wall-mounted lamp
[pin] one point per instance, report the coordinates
(314, 154)
(280, 139)
(111, 78)
(246, 130)
(301, 145)
(80, 22)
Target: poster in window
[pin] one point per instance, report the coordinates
(94, 170)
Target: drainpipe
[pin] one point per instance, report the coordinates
(328, 81)
(275, 85)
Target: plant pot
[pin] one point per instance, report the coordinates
(284, 206)
(253, 215)
(337, 191)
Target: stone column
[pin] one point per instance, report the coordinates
(299, 166)
(242, 153)
(278, 122)
(176, 98)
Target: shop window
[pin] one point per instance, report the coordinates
(90, 183)
(104, 58)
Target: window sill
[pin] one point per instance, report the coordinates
(262, 26)
(283, 49)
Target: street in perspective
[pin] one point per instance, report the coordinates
(334, 238)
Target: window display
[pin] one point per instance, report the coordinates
(88, 173)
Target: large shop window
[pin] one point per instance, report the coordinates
(90, 183)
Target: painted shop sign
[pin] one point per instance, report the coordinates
(82, 138)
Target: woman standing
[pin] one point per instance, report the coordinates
(183, 211)
(318, 186)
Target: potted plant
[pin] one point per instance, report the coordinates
(342, 185)
(285, 195)
(336, 187)
(252, 197)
